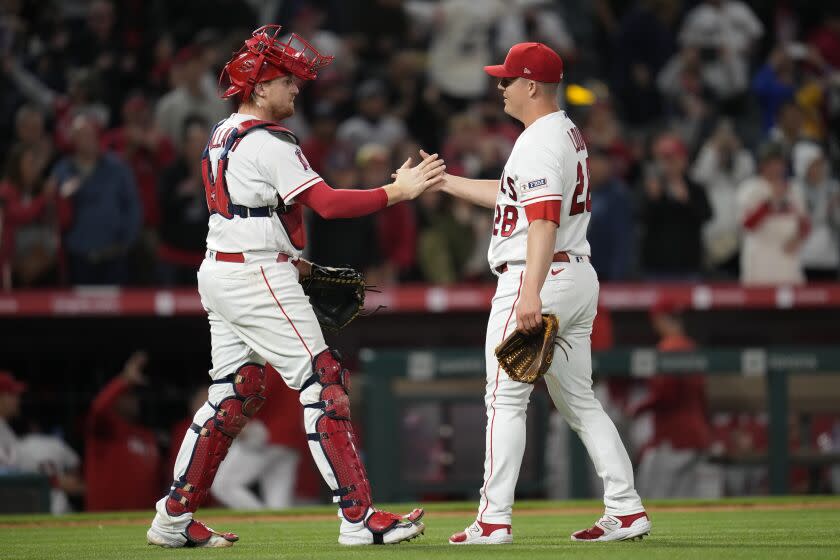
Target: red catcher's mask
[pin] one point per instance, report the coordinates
(264, 57)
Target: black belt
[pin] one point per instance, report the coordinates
(246, 212)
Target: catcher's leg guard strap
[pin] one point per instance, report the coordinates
(215, 435)
(327, 419)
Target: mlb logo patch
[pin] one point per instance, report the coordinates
(535, 185)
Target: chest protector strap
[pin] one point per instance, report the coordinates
(215, 186)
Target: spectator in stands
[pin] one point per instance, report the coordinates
(323, 140)
(193, 94)
(603, 132)
(351, 242)
(106, 213)
(821, 195)
(446, 238)
(722, 164)
(722, 75)
(372, 123)
(788, 130)
(534, 21)
(160, 67)
(183, 206)
(673, 211)
(141, 145)
(30, 132)
(826, 37)
(689, 102)
(462, 148)
(100, 46)
(122, 460)
(721, 24)
(774, 86)
(611, 230)
(722, 32)
(396, 226)
(414, 99)
(36, 453)
(775, 223)
(50, 456)
(10, 391)
(82, 98)
(28, 226)
(674, 463)
(459, 46)
(645, 41)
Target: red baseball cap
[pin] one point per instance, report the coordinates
(533, 61)
(8, 384)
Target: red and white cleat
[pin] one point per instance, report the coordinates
(382, 527)
(616, 528)
(197, 534)
(483, 533)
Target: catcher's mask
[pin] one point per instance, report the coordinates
(265, 57)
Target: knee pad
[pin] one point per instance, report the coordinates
(334, 433)
(215, 436)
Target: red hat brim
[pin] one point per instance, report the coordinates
(499, 71)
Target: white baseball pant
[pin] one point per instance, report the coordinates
(258, 313)
(571, 295)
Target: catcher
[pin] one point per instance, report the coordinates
(257, 181)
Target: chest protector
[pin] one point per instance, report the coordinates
(216, 190)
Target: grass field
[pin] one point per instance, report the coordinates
(793, 528)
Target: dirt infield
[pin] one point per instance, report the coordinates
(222, 518)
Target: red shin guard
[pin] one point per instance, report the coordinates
(335, 434)
(215, 437)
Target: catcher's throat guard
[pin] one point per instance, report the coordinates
(526, 357)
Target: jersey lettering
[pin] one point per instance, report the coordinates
(577, 139)
(581, 189)
(505, 222)
(510, 191)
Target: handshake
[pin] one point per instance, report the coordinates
(411, 182)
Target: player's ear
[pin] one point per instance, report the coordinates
(533, 88)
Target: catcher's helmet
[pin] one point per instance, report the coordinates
(264, 57)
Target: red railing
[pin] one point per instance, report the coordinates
(419, 299)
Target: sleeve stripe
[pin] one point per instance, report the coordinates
(299, 188)
(553, 196)
(545, 210)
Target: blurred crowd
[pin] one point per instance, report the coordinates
(268, 466)
(712, 128)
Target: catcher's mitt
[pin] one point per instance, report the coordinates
(526, 357)
(336, 294)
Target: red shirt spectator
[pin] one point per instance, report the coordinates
(678, 402)
(122, 461)
(145, 150)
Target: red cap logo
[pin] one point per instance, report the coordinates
(534, 61)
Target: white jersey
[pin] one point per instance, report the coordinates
(260, 168)
(549, 162)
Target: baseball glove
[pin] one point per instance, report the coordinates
(526, 357)
(336, 294)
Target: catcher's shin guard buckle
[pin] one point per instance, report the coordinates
(526, 357)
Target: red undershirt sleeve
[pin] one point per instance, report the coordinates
(753, 219)
(548, 210)
(332, 203)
